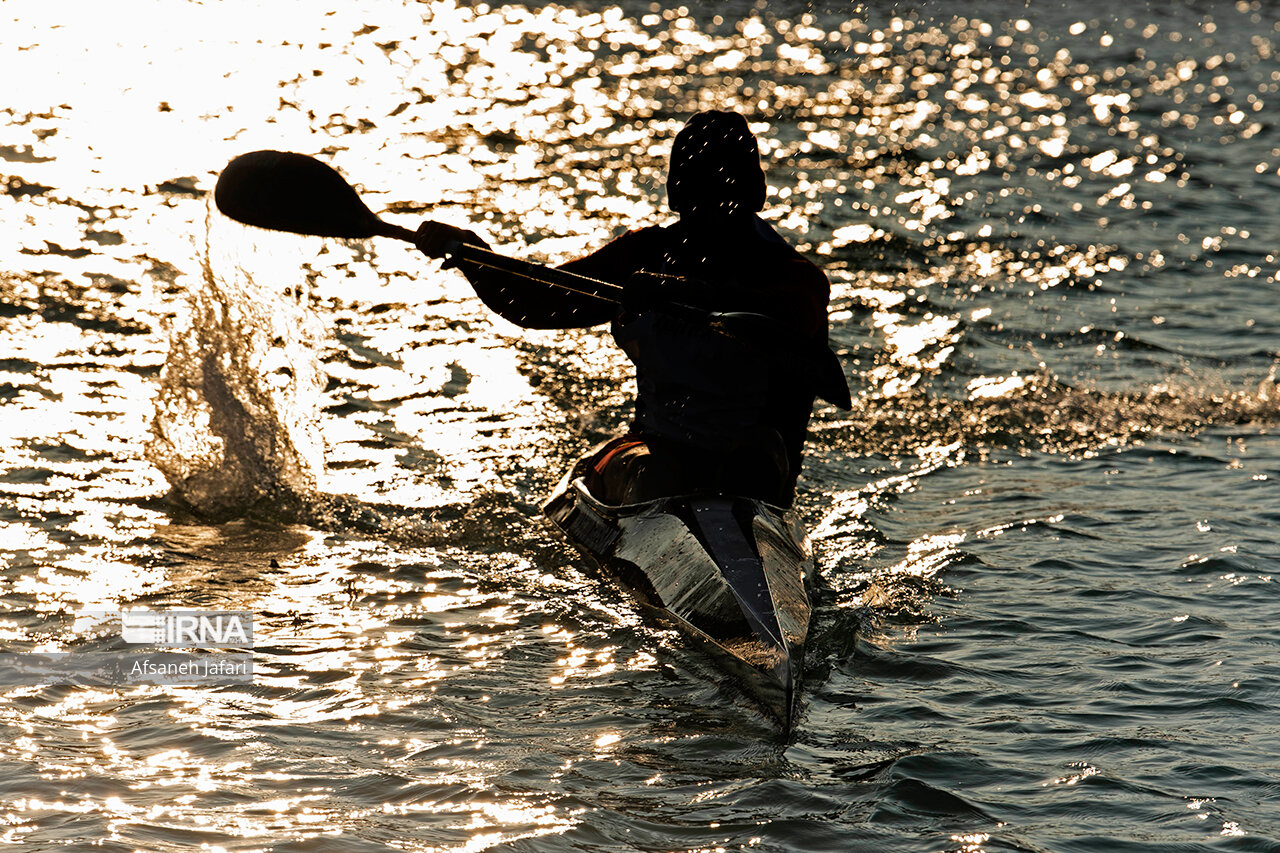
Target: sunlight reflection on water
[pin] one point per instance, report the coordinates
(1036, 224)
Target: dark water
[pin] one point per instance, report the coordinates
(1047, 530)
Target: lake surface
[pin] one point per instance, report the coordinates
(1047, 531)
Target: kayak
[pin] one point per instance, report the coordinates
(732, 573)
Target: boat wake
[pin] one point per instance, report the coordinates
(1046, 414)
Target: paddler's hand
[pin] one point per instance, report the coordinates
(439, 240)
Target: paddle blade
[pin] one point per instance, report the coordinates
(284, 191)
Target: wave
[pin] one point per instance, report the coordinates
(1045, 414)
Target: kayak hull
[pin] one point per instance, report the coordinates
(731, 573)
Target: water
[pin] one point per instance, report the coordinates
(1047, 530)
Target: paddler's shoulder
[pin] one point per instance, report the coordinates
(798, 265)
(769, 236)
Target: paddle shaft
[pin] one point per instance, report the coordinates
(286, 191)
(479, 256)
(832, 385)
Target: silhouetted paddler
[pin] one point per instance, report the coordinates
(714, 412)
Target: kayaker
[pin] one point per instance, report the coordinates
(714, 411)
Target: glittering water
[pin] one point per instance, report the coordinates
(1047, 529)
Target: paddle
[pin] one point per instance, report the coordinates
(284, 191)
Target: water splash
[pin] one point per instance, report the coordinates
(238, 427)
(237, 418)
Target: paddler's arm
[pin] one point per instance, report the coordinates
(810, 297)
(524, 303)
(802, 298)
(799, 305)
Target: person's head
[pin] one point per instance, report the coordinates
(715, 166)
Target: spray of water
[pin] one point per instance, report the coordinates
(237, 423)
(238, 428)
